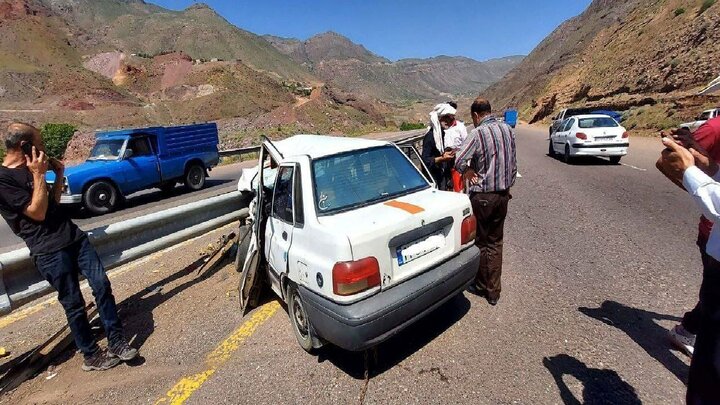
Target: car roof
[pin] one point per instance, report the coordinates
(591, 116)
(317, 146)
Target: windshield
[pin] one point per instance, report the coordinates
(705, 116)
(108, 149)
(597, 122)
(362, 177)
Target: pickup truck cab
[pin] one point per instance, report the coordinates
(560, 118)
(353, 237)
(130, 160)
(701, 119)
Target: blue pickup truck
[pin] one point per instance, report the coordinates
(130, 160)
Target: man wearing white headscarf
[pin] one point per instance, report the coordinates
(437, 156)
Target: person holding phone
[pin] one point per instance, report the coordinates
(705, 139)
(684, 162)
(60, 251)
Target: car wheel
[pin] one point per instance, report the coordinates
(101, 197)
(195, 177)
(615, 159)
(551, 149)
(566, 156)
(299, 320)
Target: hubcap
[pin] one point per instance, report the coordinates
(196, 176)
(300, 318)
(102, 197)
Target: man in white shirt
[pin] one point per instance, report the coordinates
(700, 175)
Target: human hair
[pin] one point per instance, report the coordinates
(481, 106)
(452, 104)
(18, 132)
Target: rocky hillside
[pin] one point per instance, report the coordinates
(631, 55)
(118, 63)
(336, 59)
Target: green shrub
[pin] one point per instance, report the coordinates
(706, 5)
(411, 126)
(56, 138)
(679, 11)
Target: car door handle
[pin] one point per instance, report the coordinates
(284, 235)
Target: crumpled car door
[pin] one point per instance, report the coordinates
(252, 279)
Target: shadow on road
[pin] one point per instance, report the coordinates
(600, 386)
(393, 351)
(145, 198)
(586, 161)
(641, 326)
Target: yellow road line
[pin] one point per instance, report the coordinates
(184, 388)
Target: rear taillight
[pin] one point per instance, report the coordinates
(580, 135)
(626, 135)
(353, 277)
(468, 230)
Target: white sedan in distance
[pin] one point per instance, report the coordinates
(589, 135)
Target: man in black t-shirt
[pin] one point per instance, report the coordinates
(60, 250)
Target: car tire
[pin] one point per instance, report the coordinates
(566, 156)
(299, 320)
(615, 160)
(244, 235)
(551, 149)
(195, 177)
(101, 197)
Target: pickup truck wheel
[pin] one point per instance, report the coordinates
(195, 177)
(299, 320)
(101, 197)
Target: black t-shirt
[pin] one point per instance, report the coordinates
(56, 232)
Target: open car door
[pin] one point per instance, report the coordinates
(251, 278)
(416, 159)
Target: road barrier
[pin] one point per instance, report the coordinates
(125, 241)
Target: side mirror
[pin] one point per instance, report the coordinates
(128, 153)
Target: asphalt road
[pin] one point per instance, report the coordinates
(599, 262)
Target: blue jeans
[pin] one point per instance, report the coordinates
(62, 270)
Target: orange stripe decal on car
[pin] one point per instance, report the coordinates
(413, 209)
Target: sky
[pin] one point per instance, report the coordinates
(396, 29)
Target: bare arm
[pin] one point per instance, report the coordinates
(59, 170)
(38, 165)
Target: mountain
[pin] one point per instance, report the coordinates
(118, 63)
(348, 65)
(134, 26)
(636, 55)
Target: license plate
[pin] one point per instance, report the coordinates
(602, 138)
(416, 250)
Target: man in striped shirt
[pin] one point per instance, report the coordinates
(487, 159)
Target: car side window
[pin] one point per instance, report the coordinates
(283, 195)
(140, 146)
(299, 207)
(568, 124)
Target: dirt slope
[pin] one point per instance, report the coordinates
(619, 54)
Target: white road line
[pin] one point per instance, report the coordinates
(633, 167)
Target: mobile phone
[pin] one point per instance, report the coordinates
(27, 149)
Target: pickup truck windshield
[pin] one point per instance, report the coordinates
(363, 177)
(108, 149)
(601, 122)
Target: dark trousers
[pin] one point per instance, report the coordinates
(704, 381)
(62, 270)
(490, 210)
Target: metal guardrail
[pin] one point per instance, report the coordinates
(125, 241)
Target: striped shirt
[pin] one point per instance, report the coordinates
(491, 146)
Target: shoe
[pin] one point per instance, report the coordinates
(493, 301)
(472, 289)
(122, 350)
(683, 339)
(100, 361)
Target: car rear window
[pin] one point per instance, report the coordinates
(598, 122)
(363, 177)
